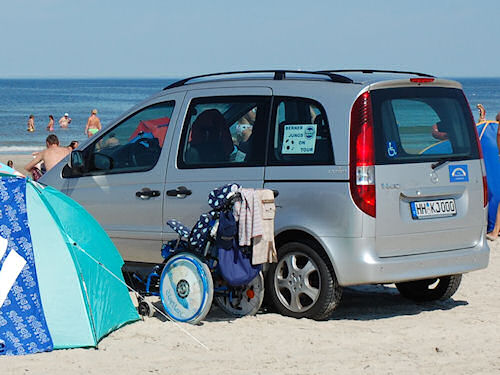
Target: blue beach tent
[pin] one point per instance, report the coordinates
(61, 284)
(487, 131)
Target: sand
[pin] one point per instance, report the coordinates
(20, 160)
(374, 331)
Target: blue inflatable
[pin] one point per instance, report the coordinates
(487, 131)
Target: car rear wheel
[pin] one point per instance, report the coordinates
(301, 284)
(430, 289)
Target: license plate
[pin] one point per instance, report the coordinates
(432, 209)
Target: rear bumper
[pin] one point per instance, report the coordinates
(355, 262)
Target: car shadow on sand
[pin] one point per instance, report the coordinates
(366, 302)
(370, 302)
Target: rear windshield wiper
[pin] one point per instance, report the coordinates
(440, 162)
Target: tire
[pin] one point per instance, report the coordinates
(146, 308)
(248, 299)
(430, 289)
(186, 288)
(302, 284)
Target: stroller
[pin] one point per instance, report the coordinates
(190, 277)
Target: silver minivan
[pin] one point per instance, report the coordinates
(380, 177)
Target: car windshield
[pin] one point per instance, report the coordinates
(422, 124)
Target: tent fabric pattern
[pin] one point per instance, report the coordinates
(23, 328)
(70, 261)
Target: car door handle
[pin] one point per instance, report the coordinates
(147, 193)
(180, 192)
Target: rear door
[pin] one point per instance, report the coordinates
(429, 186)
(222, 141)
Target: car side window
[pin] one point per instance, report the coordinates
(224, 132)
(134, 145)
(301, 135)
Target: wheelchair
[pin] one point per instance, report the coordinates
(189, 279)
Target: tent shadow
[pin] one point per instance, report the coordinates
(369, 302)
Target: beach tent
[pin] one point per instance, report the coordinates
(156, 127)
(487, 131)
(61, 284)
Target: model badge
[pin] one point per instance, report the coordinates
(390, 186)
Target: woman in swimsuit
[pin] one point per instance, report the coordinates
(93, 124)
(50, 125)
(31, 124)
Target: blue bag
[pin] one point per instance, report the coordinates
(235, 265)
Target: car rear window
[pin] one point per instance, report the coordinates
(419, 124)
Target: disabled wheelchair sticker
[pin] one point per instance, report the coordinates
(392, 149)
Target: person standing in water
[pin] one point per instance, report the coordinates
(64, 121)
(31, 124)
(50, 125)
(93, 124)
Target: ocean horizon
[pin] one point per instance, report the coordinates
(20, 97)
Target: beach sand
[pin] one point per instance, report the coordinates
(374, 331)
(20, 160)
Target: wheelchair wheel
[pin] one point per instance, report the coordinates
(186, 288)
(241, 301)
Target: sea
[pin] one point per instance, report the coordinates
(19, 98)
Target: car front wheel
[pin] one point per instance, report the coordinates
(440, 288)
(301, 284)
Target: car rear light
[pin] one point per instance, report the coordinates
(422, 80)
(362, 155)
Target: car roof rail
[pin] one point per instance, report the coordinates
(369, 71)
(278, 75)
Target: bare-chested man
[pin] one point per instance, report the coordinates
(52, 155)
(64, 121)
(93, 124)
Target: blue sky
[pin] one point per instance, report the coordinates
(161, 38)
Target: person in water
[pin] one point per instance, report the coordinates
(50, 125)
(93, 124)
(64, 121)
(31, 124)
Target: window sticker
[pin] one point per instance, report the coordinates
(299, 139)
(392, 149)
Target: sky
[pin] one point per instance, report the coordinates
(171, 39)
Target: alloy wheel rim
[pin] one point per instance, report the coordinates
(297, 282)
